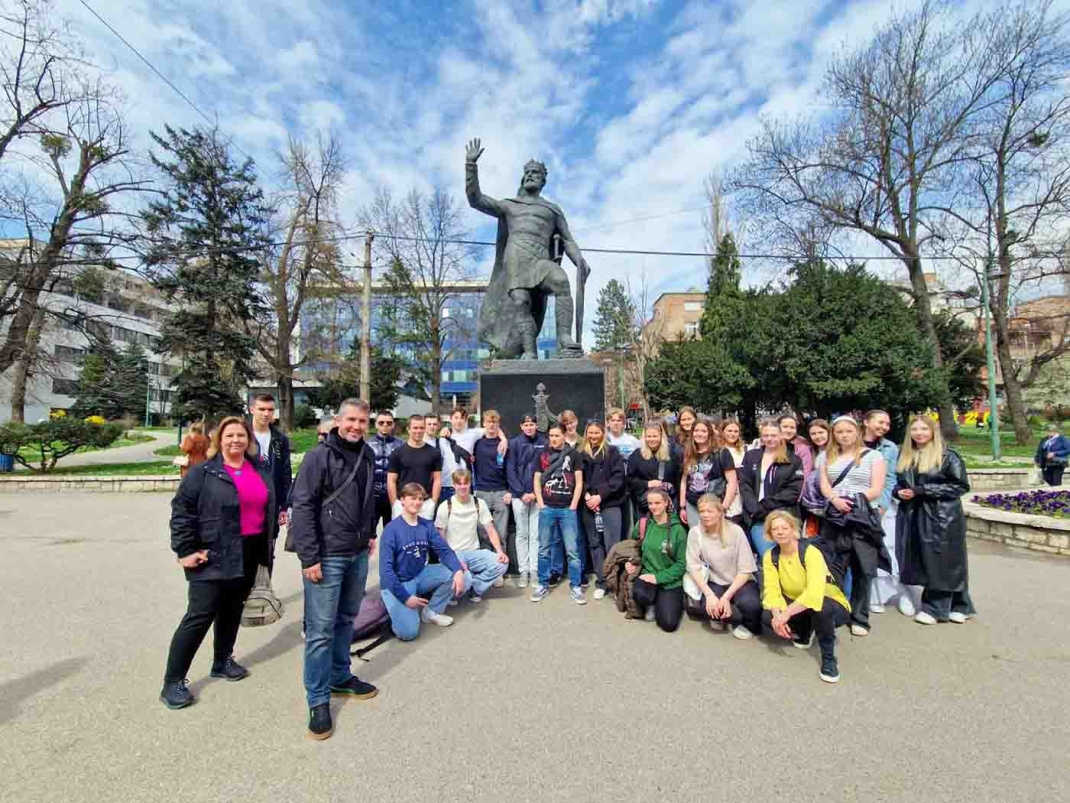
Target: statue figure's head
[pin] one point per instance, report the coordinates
(534, 178)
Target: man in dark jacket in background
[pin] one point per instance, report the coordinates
(273, 452)
(383, 444)
(333, 529)
(524, 452)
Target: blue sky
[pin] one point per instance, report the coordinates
(631, 102)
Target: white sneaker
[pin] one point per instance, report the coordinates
(957, 618)
(906, 605)
(741, 633)
(649, 615)
(923, 618)
(474, 597)
(599, 593)
(858, 630)
(718, 627)
(440, 619)
(499, 583)
(522, 580)
(876, 607)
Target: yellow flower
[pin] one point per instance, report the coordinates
(57, 414)
(96, 420)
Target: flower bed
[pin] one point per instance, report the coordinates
(1036, 503)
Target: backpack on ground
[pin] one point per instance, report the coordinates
(371, 622)
(261, 607)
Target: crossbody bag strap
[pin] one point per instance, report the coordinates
(345, 484)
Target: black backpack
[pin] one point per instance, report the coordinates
(804, 544)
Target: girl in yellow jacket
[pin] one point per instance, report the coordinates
(799, 595)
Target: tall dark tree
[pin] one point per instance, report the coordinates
(131, 381)
(206, 233)
(96, 394)
(614, 323)
(386, 377)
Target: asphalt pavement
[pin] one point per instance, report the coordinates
(516, 701)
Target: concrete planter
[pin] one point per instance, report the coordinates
(999, 479)
(12, 483)
(1027, 531)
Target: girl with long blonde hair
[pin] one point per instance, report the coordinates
(931, 526)
(770, 478)
(603, 495)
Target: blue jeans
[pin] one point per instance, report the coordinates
(483, 569)
(554, 520)
(331, 605)
(761, 543)
(434, 581)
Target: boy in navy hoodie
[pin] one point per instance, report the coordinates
(413, 590)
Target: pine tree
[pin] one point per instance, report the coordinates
(131, 381)
(205, 234)
(723, 296)
(96, 390)
(614, 323)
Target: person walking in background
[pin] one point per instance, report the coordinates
(719, 585)
(222, 530)
(524, 451)
(412, 589)
(789, 425)
(658, 590)
(383, 444)
(886, 587)
(194, 447)
(771, 478)
(799, 594)
(931, 525)
(707, 468)
(603, 494)
(652, 467)
(732, 440)
(492, 482)
(333, 528)
(558, 490)
(1052, 455)
(415, 461)
(852, 480)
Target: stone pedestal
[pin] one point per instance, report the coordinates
(512, 387)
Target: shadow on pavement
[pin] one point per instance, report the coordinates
(13, 692)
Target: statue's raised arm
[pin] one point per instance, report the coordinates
(476, 199)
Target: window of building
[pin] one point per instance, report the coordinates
(691, 328)
(692, 306)
(65, 387)
(69, 354)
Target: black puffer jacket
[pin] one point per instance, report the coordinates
(604, 476)
(205, 514)
(641, 471)
(783, 486)
(346, 526)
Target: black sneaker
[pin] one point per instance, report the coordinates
(555, 580)
(177, 695)
(319, 722)
(586, 581)
(355, 687)
(830, 672)
(230, 670)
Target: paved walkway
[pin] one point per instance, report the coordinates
(516, 701)
(135, 453)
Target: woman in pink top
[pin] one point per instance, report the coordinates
(221, 532)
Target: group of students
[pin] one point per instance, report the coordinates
(799, 534)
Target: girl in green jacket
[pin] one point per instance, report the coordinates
(659, 589)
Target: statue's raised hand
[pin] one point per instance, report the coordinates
(474, 151)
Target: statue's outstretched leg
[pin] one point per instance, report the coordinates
(525, 325)
(563, 313)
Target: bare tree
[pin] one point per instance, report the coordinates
(881, 163)
(305, 213)
(1016, 182)
(648, 333)
(428, 271)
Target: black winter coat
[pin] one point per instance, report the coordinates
(279, 461)
(345, 527)
(783, 486)
(930, 529)
(205, 514)
(604, 476)
(641, 471)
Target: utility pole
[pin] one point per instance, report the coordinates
(366, 323)
(993, 403)
(148, 389)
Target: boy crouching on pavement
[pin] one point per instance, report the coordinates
(458, 521)
(413, 590)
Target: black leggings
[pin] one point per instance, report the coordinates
(668, 603)
(218, 601)
(824, 622)
(746, 607)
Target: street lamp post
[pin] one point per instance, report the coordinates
(993, 404)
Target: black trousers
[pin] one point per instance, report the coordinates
(668, 603)
(746, 607)
(845, 551)
(214, 601)
(382, 511)
(1053, 475)
(823, 622)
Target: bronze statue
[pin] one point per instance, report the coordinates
(525, 271)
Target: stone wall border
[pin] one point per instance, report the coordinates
(18, 483)
(1022, 530)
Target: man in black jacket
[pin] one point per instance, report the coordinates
(333, 520)
(273, 451)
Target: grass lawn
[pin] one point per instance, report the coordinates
(301, 441)
(113, 469)
(131, 438)
(973, 441)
